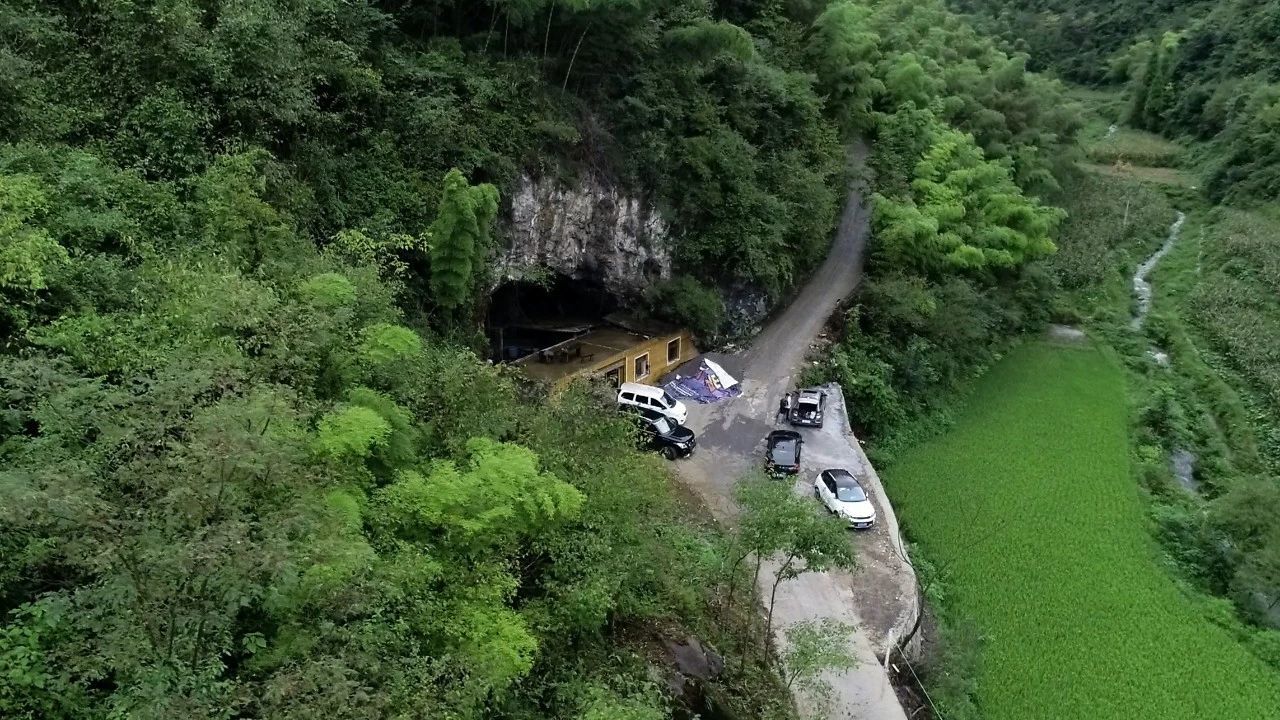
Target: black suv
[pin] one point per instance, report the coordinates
(659, 433)
(807, 408)
(782, 452)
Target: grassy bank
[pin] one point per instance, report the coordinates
(1028, 507)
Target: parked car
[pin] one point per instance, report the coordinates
(782, 452)
(652, 397)
(808, 407)
(841, 493)
(657, 432)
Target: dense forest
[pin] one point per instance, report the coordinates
(967, 142)
(251, 464)
(1207, 71)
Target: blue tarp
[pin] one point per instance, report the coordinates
(709, 384)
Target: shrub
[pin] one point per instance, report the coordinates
(384, 344)
(688, 302)
(328, 290)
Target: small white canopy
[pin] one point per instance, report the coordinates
(724, 379)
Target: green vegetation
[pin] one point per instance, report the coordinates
(459, 239)
(1234, 303)
(249, 466)
(965, 142)
(1212, 315)
(1199, 100)
(1203, 70)
(235, 483)
(1217, 313)
(1137, 147)
(1077, 38)
(1046, 551)
(364, 108)
(1113, 224)
(684, 299)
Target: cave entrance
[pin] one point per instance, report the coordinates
(526, 317)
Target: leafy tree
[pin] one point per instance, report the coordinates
(460, 239)
(496, 500)
(688, 302)
(907, 81)
(385, 252)
(353, 432)
(704, 40)
(383, 344)
(27, 253)
(777, 522)
(814, 648)
(328, 290)
(1248, 514)
(844, 51)
(965, 213)
(815, 544)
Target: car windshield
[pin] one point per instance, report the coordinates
(784, 453)
(850, 493)
(662, 425)
(668, 401)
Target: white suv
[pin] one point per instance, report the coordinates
(653, 398)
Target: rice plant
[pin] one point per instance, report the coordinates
(1028, 507)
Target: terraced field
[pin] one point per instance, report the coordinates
(1029, 505)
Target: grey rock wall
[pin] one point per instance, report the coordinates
(591, 230)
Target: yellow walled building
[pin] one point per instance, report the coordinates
(620, 349)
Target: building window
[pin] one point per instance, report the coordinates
(673, 351)
(642, 367)
(614, 375)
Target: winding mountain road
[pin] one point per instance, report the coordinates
(879, 597)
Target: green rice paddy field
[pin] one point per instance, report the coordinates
(1029, 503)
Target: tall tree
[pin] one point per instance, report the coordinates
(844, 51)
(459, 238)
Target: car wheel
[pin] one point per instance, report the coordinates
(669, 452)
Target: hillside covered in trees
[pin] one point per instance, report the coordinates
(249, 463)
(1204, 70)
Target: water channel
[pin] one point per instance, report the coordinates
(1141, 287)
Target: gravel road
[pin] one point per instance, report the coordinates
(879, 597)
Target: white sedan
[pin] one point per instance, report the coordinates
(840, 492)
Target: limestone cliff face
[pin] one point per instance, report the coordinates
(587, 231)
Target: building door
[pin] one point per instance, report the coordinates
(614, 374)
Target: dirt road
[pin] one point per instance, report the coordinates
(879, 597)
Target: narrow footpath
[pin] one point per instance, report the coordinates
(879, 597)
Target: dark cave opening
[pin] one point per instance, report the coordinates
(525, 317)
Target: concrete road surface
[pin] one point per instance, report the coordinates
(879, 597)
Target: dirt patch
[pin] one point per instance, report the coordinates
(1157, 175)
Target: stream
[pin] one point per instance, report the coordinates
(1141, 287)
(1182, 462)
